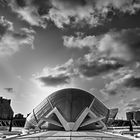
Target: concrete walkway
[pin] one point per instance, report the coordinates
(63, 135)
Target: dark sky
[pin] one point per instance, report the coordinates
(46, 45)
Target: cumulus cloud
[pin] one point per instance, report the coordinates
(64, 74)
(79, 41)
(121, 47)
(123, 5)
(56, 80)
(5, 26)
(116, 86)
(109, 52)
(60, 75)
(119, 73)
(70, 12)
(97, 67)
(30, 11)
(12, 41)
(122, 44)
(61, 12)
(122, 81)
(133, 82)
(73, 12)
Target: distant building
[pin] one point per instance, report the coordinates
(6, 111)
(119, 123)
(130, 115)
(137, 116)
(19, 120)
(133, 115)
(19, 116)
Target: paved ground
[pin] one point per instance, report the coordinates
(61, 135)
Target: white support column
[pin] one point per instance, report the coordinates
(92, 103)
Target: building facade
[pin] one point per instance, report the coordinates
(6, 111)
(133, 115)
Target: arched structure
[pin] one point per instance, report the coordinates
(69, 109)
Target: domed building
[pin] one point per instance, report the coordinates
(70, 110)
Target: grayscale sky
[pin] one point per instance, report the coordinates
(47, 45)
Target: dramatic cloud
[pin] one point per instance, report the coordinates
(133, 82)
(122, 45)
(79, 41)
(133, 105)
(61, 12)
(56, 80)
(124, 6)
(63, 74)
(117, 86)
(73, 12)
(30, 11)
(70, 12)
(5, 26)
(93, 68)
(11, 41)
(115, 50)
(57, 76)
(122, 81)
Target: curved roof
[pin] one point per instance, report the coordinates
(71, 102)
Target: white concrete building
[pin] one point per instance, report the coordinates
(70, 110)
